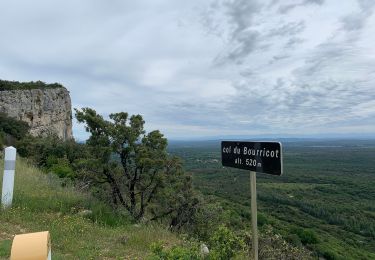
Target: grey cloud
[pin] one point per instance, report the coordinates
(356, 21)
(366, 4)
(244, 38)
(324, 56)
(289, 29)
(293, 42)
(246, 43)
(277, 58)
(318, 2)
(239, 16)
(304, 105)
(353, 22)
(284, 9)
(128, 56)
(241, 13)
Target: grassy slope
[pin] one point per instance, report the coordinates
(40, 203)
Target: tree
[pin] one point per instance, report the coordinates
(12, 127)
(135, 166)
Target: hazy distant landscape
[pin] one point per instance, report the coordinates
(324, 199)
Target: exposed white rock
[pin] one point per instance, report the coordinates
(204, 249)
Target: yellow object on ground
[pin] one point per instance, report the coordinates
(32, 246)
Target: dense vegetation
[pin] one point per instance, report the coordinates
(131, 172)
(11, 130)
(145, 180)
(324, 200)
(15, 85)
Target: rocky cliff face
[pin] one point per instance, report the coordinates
(45, 110)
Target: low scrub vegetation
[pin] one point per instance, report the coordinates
(15, 85)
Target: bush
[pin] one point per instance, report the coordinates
(13, 127)
(53, 154)
(273, 246)
(15, 85)
(306, 236)
(329, 255)
(174, 253)
(62, 168)
(2, 139)
(225, 244)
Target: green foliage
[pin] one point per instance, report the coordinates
(174, 253)
(327, 188)
(135, 169)
(62, 168)
(15, 85)
(41, 203)
(329, 255)
(306, 236)
(12, 127)
(2, 136)
(224, 244)
(273, 246)
(53, 154)
(5, 247)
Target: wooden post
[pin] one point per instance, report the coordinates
(254, 219)
(8, 178)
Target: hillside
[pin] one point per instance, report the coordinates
(40, 203)
(324, 200)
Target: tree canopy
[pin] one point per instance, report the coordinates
(135, 168)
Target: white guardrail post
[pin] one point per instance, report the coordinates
(8, 178)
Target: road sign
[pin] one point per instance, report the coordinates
(263, 157)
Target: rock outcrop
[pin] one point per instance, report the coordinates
(45, 109)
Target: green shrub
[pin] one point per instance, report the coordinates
(13, 127)
(62, 169)
(15, 85)
(52, 153)
(306, 236)
(224, 244)
(174, 253)
(1, 139)
(329, 255)
(294, 239)
(262, 219)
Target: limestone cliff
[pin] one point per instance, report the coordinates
(45, 109)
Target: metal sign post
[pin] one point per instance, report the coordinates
(261, 157)
(254, 217)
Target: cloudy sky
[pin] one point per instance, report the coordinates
(203, 68)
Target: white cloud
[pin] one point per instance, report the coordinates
(193, 68)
